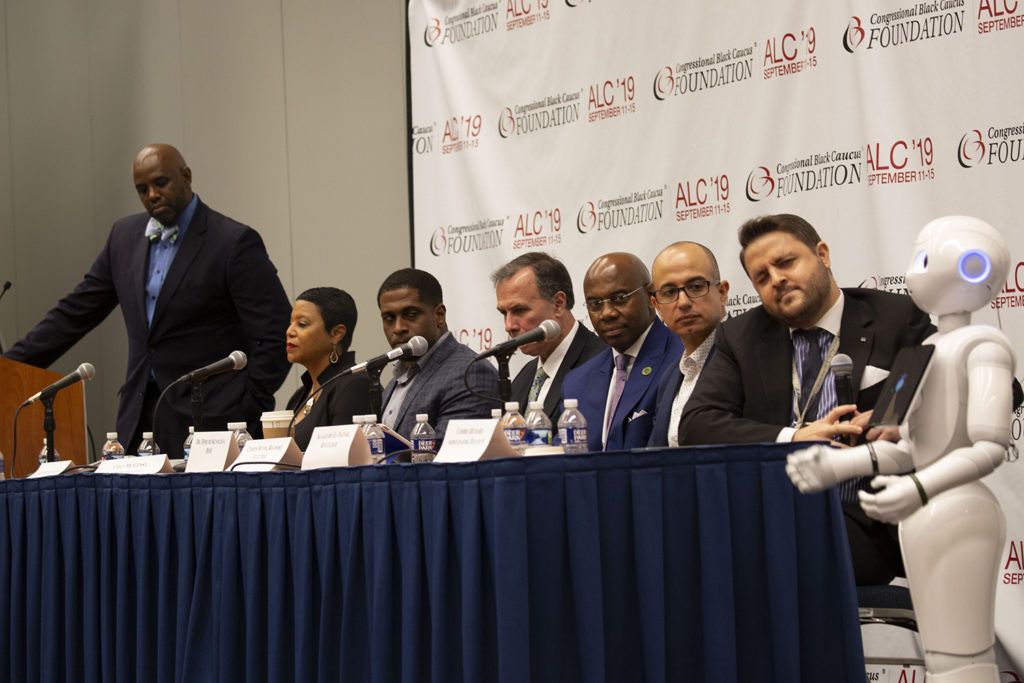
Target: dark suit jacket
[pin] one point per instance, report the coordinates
(634, 416)
(221, 293)
(338, 402)
(668, 387)
(439, 391)
(745, 392)
(584, 346)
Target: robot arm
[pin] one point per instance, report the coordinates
(820, 466)
(989, 402)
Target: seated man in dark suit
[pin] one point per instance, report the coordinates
(690, 297)
(530, 289)
(411, 304)
(769, 378)
(616, 388)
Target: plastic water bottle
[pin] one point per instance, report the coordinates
(424, 439)
(572, 428)
(514, 426)
(187, 448)
(495, 413)
(112, 448)
(42, 453)
(538, 425)
(241, 434)
(148, 445)
(375, 436)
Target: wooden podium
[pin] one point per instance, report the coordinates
(19, 381)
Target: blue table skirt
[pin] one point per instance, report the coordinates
(678, 565)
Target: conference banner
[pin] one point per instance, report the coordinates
(582, 127)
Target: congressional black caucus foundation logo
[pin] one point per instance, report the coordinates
(547, 112)
(789, 53)
(991, 146)
(466, 239)
(887, 282)
(702, 196)
(626, 210)
(466, 25)
(706, 72)
(818, 171)
(905, 25)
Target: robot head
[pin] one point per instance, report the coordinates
(959, 265)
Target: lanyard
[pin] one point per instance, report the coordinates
(818, 381)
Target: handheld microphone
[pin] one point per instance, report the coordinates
(236, 360)
(549, 329)
(842, 368)
(85, 371)
(414, 348)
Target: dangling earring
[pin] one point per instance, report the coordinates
(334, 354)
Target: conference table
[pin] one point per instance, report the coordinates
(698, 564)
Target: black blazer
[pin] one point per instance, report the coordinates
(221, 293)
(584, 346)
(338, 402)
(745, 391)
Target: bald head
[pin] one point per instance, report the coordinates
(163, 181)
(693, 252)
(688, 293)
(616, 290)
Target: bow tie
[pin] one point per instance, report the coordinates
(155, 229)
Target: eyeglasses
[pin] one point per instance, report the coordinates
(694, 289)
(618, 300)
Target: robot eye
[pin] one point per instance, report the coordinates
(921, 261)
(974, 266)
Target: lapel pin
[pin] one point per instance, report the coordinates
(647, 370)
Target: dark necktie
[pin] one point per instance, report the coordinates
(809, 373)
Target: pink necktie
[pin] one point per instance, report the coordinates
(620, 383)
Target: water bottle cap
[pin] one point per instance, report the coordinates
(495, 412)
(511, 405)
(147, 435)
(571, 403)
(536, 405)
(422, 417)
(191, 430)
(111, 436)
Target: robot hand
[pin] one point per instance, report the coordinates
(896, 501)
(811, 469)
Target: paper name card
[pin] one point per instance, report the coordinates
(48, 469)
(143, 464)
(336, 446)
(211, 452)
(469, 440)
(264, 455)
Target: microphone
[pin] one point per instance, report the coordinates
(548, 329)
(415, 347)
(842, 368)
(236, 360)
(7, 285)
(85, 371)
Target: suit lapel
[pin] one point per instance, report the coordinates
(774, 351)
(191, 244)
(641, 375)
(425, 375)
(140, 261)
(856, 337)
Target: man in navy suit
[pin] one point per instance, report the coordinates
(690, 297)
(769, 377)
(617, 388)
(411, 304)
(530, 289)
(193, 285)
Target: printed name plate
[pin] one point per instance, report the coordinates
(143, 464)
(48, 469)
(264, 455)
(211, 452)
(469, 440)
(337, 446)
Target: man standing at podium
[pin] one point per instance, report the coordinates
(193, 285)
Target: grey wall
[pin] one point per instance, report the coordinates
(290, 113)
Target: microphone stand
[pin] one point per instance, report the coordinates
(197, 405)
(376, 391)
(504, 383)
(49, 425)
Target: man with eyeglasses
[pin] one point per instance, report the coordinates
(690, 297)
(617, 388)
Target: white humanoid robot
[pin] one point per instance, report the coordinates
(955, 432)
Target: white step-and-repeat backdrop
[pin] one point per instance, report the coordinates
(582, 127)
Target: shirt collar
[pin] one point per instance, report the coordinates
(833, 318)
(700, 354)
(634, 350)
(184, 218)
(554, 361)
(401, 368)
